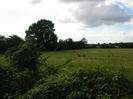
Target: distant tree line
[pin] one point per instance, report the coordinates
(42, 34)
(7, 43)
(111, 45)
(70, 44)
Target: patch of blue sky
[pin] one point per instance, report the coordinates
(125, 7)
(119, 27)
(122, 27)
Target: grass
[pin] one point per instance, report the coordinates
(110, 59)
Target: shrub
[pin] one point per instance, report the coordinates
(25, 55)
(3, 82)
(85, 84)
(14, 82)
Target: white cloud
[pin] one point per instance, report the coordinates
(94, 13)
(128, 2)
(17, 15)
(71, 1)
(36, 1)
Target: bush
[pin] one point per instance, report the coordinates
(14, 82)
(25, 55)
(3, 82)
(85, 84)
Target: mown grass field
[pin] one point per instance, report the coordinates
(110, 59)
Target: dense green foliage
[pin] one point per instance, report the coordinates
(25, 55)
(43, 33)
(70, 44)
(84, 84)
(14, 82)
(9, 42)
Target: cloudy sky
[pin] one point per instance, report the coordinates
(97, 20)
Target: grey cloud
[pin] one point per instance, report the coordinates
(93, 14)
(35, 1)
(66, 20)
(70, 1)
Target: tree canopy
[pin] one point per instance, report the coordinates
(7, 43)
(43, 33)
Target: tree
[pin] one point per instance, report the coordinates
(83, 43)
(2, 44)
(69, 43)
(13, 41)
(9, 42)
(43, 33)
(83, 40)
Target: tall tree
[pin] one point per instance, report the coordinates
(43, 33)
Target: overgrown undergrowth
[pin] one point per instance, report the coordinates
(51, 83)
(83, 84)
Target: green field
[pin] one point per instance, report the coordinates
(110, 59)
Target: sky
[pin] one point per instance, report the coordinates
(99, 21)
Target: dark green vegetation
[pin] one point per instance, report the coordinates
(74, 74)
(9, 42)
(84, 84)
(43, 33)
(28, 70)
